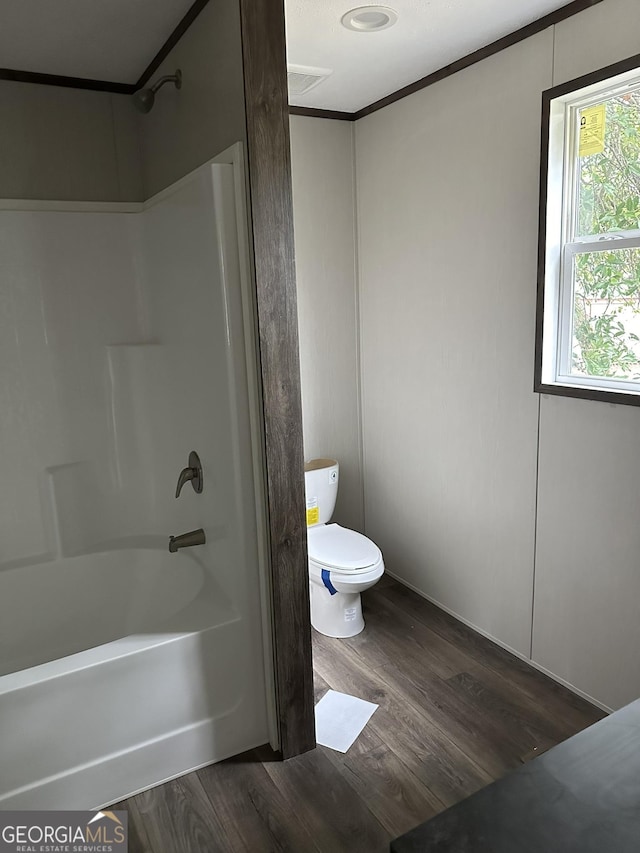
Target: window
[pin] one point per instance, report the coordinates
(588, 329)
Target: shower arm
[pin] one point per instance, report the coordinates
(168, 78)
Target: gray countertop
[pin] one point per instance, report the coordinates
(583, 796)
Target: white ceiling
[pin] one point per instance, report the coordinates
(116, 39)
(429, 34)
(101, 39)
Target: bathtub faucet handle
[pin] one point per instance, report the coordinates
(192, 474)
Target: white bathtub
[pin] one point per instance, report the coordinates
(111, 663)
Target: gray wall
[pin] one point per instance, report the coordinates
(587, 599)
(67, 144)
(447, 206)
(187, 128)
(324, 207)
(70, 145)
(447, 212)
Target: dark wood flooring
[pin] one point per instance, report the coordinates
(456, 712)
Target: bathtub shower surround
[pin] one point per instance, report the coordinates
(122, 349)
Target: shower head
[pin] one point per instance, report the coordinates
(144, 99)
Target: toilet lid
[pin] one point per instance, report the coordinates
(338, 548)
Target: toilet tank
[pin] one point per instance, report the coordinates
(321, 489)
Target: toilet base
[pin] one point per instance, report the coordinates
(338, 615)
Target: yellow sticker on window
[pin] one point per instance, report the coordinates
(593, 123)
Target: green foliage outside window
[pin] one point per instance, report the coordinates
(606, 310)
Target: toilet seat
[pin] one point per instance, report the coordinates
(342, 550)
(345, 581)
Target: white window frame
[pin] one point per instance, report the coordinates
(559, 242)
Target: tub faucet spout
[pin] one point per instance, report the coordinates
(187, 540)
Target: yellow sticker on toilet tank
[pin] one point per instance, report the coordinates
(313, 512)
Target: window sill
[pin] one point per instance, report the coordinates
(600, 395)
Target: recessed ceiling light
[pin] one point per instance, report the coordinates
(369, 19)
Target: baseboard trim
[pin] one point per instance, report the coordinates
(502, 645)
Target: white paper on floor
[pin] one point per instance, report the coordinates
(340, 718)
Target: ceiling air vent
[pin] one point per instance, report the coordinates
(302, 78)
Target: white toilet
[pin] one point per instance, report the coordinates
(342, 563)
